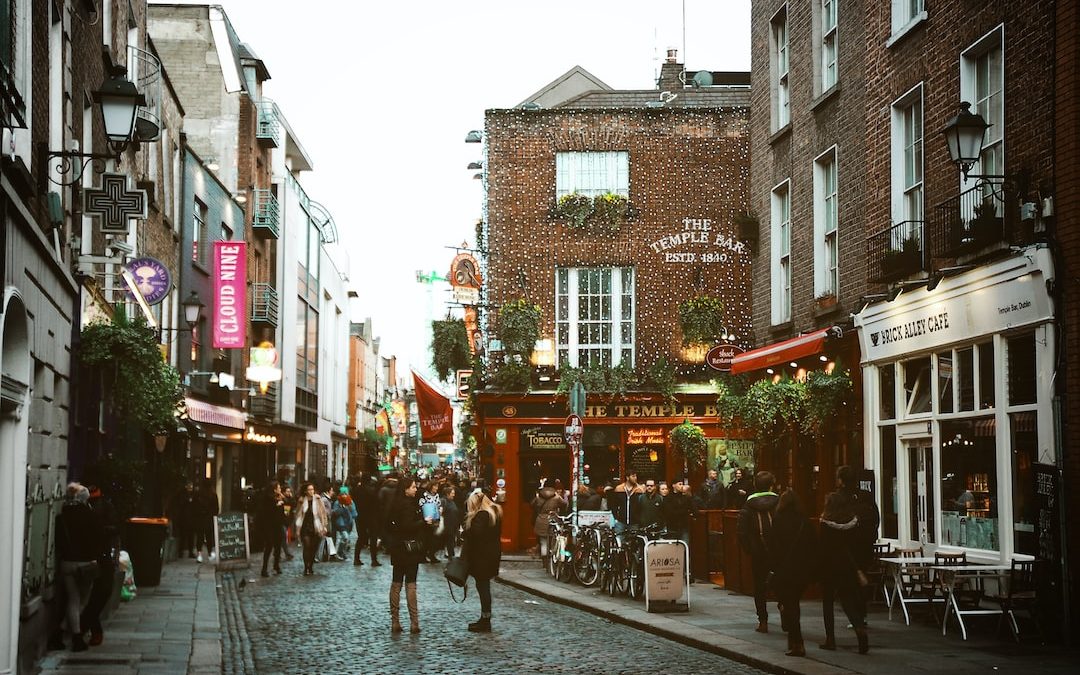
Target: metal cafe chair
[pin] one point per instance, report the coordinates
(876, 574)
(1022, 596)
(916, 582)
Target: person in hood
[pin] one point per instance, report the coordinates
(840, 534)
(753, 527)
(792, 546)
(547, 503)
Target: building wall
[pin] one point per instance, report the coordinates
(819, 121)
(684, 164)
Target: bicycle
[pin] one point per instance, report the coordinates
(560, 547)
(635, 540)
(613, 579)
(586, 558)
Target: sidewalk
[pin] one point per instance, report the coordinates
(723, 622)
(170, 628)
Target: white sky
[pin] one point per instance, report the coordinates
(381, 95)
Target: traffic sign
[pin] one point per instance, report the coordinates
(574, 430)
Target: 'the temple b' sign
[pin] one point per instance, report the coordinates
(113, 204)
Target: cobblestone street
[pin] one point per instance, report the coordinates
(338, 622)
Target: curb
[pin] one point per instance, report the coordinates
(816, 667)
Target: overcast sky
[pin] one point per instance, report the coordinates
(381, 94)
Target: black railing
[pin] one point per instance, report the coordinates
(975, 223)
(264, 304)
(896, 252)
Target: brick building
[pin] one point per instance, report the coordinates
(952, 283)
(609, 290)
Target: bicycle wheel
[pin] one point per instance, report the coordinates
(586, 563)
(549, 560)
(636, 580)
(561, 557)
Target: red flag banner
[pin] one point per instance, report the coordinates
(436, 416)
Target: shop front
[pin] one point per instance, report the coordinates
(523, 444)
(217, 434)
(960, 429)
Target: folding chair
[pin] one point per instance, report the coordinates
(1022, 595)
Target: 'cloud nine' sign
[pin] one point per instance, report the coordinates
(230, 294)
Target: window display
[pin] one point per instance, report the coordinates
(969, 509)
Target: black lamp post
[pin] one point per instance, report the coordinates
(964, 135)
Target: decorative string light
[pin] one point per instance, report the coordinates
(687, 166)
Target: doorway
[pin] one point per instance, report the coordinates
(921, 497)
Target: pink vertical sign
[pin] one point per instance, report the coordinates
(230, 294)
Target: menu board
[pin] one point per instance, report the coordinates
(231, 531)
(1047, 512)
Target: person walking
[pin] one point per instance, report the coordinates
(451, 519)
(431, 508)
(792, 550)
(344, 517)
(866, 533)
(313, 522)
(182, 517)
(482, 551)
(839, 571)
(547, 503)
(270, 518)
(101, 592)
(753, 525)
(405, 533)
(80, 539)
(368, 520)
(205, 508)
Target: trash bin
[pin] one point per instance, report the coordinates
(144, 540)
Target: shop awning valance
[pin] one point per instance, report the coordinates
(782, 352)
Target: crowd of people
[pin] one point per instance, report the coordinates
(410, 517)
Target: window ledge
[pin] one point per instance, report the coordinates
(780, 133)
(905, 29)
(825, 97)
(778, 328)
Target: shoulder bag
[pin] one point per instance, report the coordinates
(457, 573)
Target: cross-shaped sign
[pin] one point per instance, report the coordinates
(113, 204)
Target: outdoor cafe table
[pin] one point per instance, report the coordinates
(900, 567)
(953, 578)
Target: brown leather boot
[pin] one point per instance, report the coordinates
(395, 608)
(864, 639)
(414, 611)
(795, 647)
(762, 627)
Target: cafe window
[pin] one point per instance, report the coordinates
(965, 377)
(986, 375)
(887, 391)
(917, 394)
(890, 495)
(969, 508)
(1021, 365)
(945, 382)
(1025, 442)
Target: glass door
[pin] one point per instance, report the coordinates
(921, 491)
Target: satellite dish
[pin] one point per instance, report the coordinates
(703, 78)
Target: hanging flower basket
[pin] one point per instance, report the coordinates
(449, 347)
(519, 327)
(688, 439)
(701, 319)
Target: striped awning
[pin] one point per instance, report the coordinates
(781, 352)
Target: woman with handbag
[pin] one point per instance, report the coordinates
(80, 539)
(405, 534)
(482, 551)
(313, 522)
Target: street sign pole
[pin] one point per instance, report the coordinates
(574, 430)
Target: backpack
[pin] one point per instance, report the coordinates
(866, 511)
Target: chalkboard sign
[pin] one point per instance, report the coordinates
(231, 531)
(1047, 512)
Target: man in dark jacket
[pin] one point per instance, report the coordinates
(651, 504)
(368, 522)
(103, 583)
(270, 518)
(678, 508)
(754, 525)
(711, 494)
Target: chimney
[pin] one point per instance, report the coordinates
(671, 72)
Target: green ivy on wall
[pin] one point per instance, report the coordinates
(449, 347)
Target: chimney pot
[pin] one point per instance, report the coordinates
(672, 56)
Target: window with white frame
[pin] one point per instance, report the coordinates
(826, 220)
(827, 45)
(982, 77)
(592, 173)
(781, 253)
(906, 12)
(781, 99)
(907, 166)
(199, 234)
(594, 316)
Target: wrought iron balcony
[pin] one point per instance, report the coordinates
(896, 252)
(264, 304)
(264, 406)
(266, 221)
(975, 223)
(144, 71)
(268, 132)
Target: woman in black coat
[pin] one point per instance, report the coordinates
(482, 551)
(404, 524)
(839, 571)
(792, 553)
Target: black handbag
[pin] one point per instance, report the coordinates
(457, 573)
(412, 545)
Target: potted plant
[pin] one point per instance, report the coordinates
(826, 394)
(574, 208)
(518, 327)
(688, 439)
(898, 262)
(701, 319)
(449, 347)
(825, 300)
(776, 407)
(984, 228)
(609, 211)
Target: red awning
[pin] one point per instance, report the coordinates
(781, 352)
